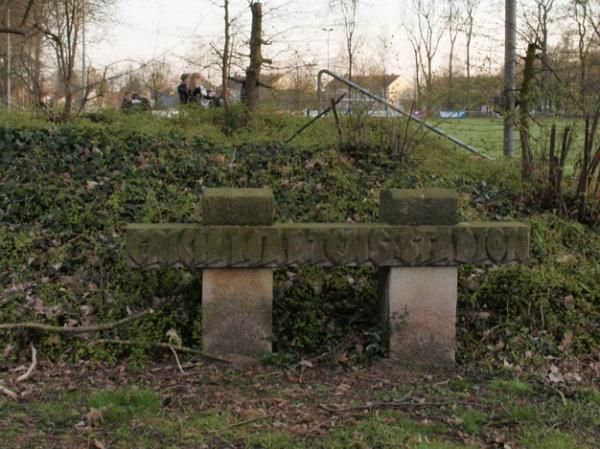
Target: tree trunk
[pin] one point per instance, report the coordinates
(251, 96)
(225, 58)
(527, 155)
(469, 38)
(37, 71)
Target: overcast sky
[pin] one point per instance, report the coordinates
(181, 30)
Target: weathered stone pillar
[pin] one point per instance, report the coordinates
(418, 304)
(237, 304)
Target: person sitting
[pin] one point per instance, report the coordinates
(126, 102)
(183, 89)
(198, 93)
(136, 103)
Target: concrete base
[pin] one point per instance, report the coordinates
(418, 309)
(237, 306)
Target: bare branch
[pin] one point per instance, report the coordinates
(11, 394)
(75, 330)
(31, 368)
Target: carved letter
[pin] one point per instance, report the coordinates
(253, 247)
(218, 251)
(408, 249)
(518, 244)
(382, 248)
(496, 244)
(296, 246)
(441, 251)
(186, 243)
(465, 244)
(237, 245)
(347, 247)
(316, 245)
(273, 253)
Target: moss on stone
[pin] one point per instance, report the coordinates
(237, 207)
(419, 207)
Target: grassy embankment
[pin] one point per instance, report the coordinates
(67, 190)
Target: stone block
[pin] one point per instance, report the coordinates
(328, 245)
(237, 207)
(418, 310)
(237, 311)
(419, 207)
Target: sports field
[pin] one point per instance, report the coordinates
(487, 134)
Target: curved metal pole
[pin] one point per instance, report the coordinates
(423, 123)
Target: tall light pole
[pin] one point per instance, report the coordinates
(510, 77)
(8, 62)
(83, 62)
(327, 30)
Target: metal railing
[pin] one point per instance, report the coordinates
(378, 99)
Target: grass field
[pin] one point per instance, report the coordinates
(487, 133)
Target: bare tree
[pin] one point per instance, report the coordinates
(226, 53)
(595, 20)
(384, 53)
(23, 26)
(425, 37)
(159, 80)
(538, 21)
(415, 44)
(470, 9)
(348, 10)
(454, 19)
(61, 26)
(59, 23)
(580, 13)
(252, 83)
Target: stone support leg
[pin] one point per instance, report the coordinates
(237, 307)
(418, 309)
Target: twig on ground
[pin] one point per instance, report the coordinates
(184, 349)
(386, 404)
(31, 368)
(240, 424)
(176, 359)
(75, 330)
(561, 394)
(11, 394)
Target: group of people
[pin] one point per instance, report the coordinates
(133, 101)
(191, 91)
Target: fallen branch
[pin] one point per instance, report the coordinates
(239, 424)
(386, 404)
(184, 349)
(75, 330)
(176, 359)
(31, 368)
(11, 394)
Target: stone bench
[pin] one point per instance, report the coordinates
(416, 247)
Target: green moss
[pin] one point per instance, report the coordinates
(419, 207)
(513, 387)
(390, 429)
(473, 421)
(547, 438)
(125, 404)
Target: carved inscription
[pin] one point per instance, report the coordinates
(326, 245)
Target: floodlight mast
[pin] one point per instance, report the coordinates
(510, 77)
